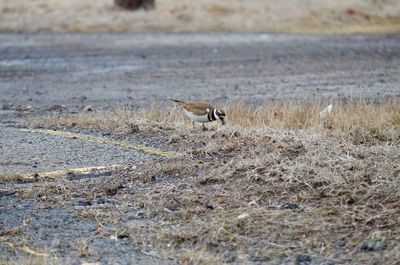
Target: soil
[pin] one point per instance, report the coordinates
(44, 72)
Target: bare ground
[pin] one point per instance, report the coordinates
(41, 73)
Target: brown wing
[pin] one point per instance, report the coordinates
(198, 108)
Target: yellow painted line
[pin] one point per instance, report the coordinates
(65, 172)
(32, 252)
(102, 140)
(25, 249)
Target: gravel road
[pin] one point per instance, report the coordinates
(102, 70)
(42, 73)
(23, 152)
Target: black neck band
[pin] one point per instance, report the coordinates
(213, 115)
(209, 116)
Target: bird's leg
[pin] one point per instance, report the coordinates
(204, 127)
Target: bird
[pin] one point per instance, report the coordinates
(201, 112)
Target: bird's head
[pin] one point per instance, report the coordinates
(220, 114)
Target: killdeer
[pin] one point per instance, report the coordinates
(201, 112)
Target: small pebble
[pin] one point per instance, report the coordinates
(101, 201)
(122, 236)
(84, 203)
(88, 108)
(303, 259)
(209, 206)
(153, 214)
(173, 208)
(55, 107)
(373, 246)
(289, 206)
(340, 242)
(6, 106)
(141, 214)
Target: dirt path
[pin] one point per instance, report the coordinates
(35, 151)
(104, 70)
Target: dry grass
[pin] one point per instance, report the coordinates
(82, 246)
(239, 203)
(278, 182)
(311, 16)
(358, 121)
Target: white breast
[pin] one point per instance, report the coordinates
(196, 118)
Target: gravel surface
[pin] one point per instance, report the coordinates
(60, 233)
(27, 153)
(39, 71)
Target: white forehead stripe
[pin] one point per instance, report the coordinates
(215, 114)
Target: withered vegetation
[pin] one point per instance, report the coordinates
(85, 16)
(279, 182)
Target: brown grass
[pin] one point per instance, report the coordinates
(311, 16)
(82, 246)
(278, 182)
(358, 121)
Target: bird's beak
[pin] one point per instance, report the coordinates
(223, 121)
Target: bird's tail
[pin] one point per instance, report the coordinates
(180, 102)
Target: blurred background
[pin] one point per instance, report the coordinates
(292, 16)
